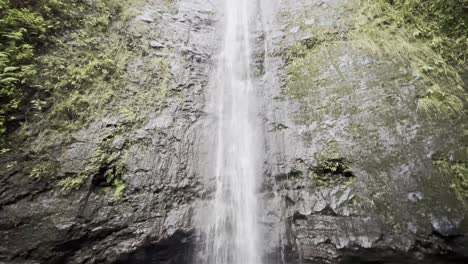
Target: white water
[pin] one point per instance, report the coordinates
(232, 228)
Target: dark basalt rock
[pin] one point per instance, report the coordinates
(388, 205)
(176, 249)
(152, 220)
(350, 179)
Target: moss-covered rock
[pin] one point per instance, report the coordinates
(357, 103)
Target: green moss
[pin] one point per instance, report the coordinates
(331, 152)
(437, 101)
(30, 28)
(119, 187)
(44, 169)
(331, 169)
(82, 75)
(86, 81)
(22, 31)
(458, 173)
(83, 80)
(331, 172)
(428, 35)
(394, 31)
(318, 36)
(305, 77)
(440, 23)
(77, 67)
(308, 65)
(106, 167)
(72, 183)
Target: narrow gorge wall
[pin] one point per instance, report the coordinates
(350, 174)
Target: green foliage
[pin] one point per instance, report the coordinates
(27, 28)
(306, 76)
(301, 69)
(81, 81)
(442, 23)
(119, 187)
(458, 174)
(331, 172)
(456, 169)
(85, 83)
(299, 49)
(428, 35)
(106, 165)
(439, 101)
(431, 36)
(72, 183)
(21, 32)
(44, 169)
(74, 65)
(72, 14)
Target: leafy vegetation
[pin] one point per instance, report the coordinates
(27, 29)
(106, 169)
(331, 168)
(44, 168)
(331, 172)
(81, 81)
(458, 173)
(443, 24)
(430, 35)
(21, 32)
(63, 63)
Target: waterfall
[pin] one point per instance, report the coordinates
(232, 232)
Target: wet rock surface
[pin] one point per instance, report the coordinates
(151, 221)
(349, 175)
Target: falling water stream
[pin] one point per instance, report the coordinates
(232, 232)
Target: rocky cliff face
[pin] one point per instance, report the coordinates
(151, 221)
(350, 174)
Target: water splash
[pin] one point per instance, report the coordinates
(232, 232)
